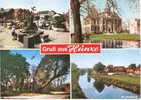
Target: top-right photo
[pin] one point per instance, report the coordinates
(113, 23)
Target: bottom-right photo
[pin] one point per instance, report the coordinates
(112, 74)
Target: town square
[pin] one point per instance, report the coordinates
(22, 27)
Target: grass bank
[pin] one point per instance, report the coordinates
(131, 83)
(118, 36)
(76, 90)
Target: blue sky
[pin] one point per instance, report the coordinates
(125, 11)
(28, 54)
(117, 57)
(57, 5)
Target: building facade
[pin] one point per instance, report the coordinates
(103, 22)
(134, 26)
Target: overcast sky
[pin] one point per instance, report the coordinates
(117, 57)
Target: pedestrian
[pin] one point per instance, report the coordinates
(13, 32)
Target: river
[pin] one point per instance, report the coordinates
(98, 90)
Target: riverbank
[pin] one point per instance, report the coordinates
(130, 83)
(76, 90)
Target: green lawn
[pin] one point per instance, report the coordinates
(124, 78)
(131, 83)
(118, 36)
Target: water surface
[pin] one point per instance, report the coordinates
(98, 90)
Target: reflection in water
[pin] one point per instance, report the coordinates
(108, 84)
(83, 71)
(114, 87)
(99, 85)
(97, 90)
(89, 79)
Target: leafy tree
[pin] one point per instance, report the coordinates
(133, 66)
(134, 4)
(75, 72)
(99, 67)
(99, 85)
(139, 65)
(14, 70)
(50, 68)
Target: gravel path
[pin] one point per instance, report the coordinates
(37, 96)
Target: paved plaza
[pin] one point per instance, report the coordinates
(7, 42)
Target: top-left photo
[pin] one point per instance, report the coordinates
(28, 23)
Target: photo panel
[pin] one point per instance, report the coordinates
(114, 23)
(112, 74)
(25, 74)
(28, 23)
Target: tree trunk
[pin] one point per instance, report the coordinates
(45, 84)
(75, 8)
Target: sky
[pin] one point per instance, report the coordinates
(123, 6)
(117, 57)
(59, 6)
(29, 54)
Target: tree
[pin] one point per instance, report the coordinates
(75, 10)
(33, 9)
(99, 85)
(99, 67)
(50, 68)
(139, 66)
(134, 4)
(86, 8)
(132, 66)
(11, 14)
(14, 70)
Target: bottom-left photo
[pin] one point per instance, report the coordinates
(26, 74)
